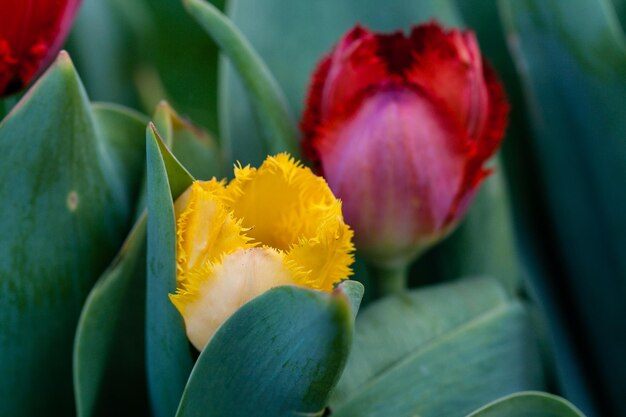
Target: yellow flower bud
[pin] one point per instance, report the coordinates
(276, 225)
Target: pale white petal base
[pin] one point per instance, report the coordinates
(242, 275)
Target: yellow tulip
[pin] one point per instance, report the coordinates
(276, 225)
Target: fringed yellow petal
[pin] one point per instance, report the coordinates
(280, 202)
(205, 228)
(324, 260)
(212, 294)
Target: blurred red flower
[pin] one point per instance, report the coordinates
(401, 127)
(31, 33)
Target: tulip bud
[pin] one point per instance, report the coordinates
(31, 33)
(401, 127)
(277, 225)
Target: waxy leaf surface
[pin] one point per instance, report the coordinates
(440, 351)
(168, 353)
(279, 355)
(109, 350)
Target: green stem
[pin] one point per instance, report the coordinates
(388, 280)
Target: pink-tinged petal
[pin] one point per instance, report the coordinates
(397, 167)
(31, 33)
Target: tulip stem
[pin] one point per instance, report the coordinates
(388, 280)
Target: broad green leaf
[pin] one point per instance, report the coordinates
(440, 351)
(109, 348)
(65, 211)
(529, 404)
(313, 27)
(168, 353)
(196, 150)
(279, 355)
(572, 58)
(274, 119)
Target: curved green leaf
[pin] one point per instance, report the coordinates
(168, 354)
(279, 355)
(278, 129)
(313, 27)
(124, 131)
(354, 290)
(529, 404)
(109, 348)
(440, 351)
(572, 59)
(65, 211)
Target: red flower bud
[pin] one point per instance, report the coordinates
(31, 33)
(401, 127)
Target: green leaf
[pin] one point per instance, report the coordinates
(124, 131)
(354, 290)
(313, 27)
(529, 404)
(169, 360)
(278, 129)
(109, 343)
(65, 211)
(278, 355)
(440, 351)
(193, 147)
(109, 348)
(572, 58)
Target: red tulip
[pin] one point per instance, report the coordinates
(401, 128)
(31, 33)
